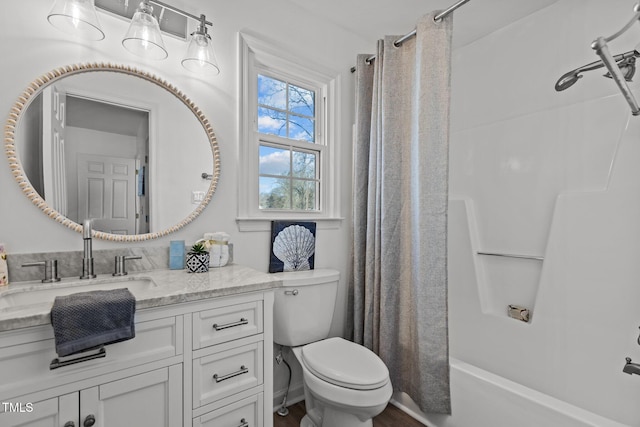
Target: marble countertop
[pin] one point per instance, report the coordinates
(151, 289)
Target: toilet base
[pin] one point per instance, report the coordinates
(306, 422)
(319, 414)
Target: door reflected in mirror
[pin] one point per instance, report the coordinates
(93, 160)
(122, 148)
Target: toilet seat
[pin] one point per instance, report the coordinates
(345, 364)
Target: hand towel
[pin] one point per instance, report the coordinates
(87, 320)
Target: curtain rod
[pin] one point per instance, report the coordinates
(407, 36)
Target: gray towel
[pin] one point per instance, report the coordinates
(86, 320)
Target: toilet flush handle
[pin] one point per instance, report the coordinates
(293, 292)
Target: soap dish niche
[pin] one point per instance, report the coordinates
(509, 285)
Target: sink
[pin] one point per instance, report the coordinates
(17, 298)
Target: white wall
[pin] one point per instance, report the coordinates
(538, 172)
(29, 47)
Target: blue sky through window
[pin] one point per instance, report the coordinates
(274, 161)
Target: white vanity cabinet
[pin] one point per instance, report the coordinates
(201, 363)
(149, 399)
(231, 363)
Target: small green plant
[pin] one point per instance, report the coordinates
(198, 248)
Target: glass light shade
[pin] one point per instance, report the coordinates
(77, 17)
(143, 37)
(200, 56)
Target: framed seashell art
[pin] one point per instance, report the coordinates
(293, 246)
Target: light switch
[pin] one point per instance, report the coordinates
(197, 197)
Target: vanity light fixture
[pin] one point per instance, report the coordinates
(200, 55)
(143, 37)
(77, 17)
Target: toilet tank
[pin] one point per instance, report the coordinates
(303, 307)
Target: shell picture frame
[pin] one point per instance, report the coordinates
(293, 245)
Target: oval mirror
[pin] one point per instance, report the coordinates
(114, 144)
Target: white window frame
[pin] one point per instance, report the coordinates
(257, 56)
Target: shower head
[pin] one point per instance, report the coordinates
(567, 80)
(626, 61)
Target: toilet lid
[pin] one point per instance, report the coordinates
(345, 364)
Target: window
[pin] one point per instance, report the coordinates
(287, 126)
(289, 178)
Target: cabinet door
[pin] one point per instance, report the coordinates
(56, 412)
(152, 399)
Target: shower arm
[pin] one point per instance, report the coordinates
(601, 48)
(599, 64)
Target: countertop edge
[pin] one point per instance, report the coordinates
(173, 287)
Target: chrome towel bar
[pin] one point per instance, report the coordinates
(59, 363)
(533, 257)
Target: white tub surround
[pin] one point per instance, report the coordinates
(203, 351)
(554, 175)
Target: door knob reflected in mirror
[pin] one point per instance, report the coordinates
(89, 421)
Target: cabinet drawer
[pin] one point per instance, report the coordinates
(244, 413)
(26, 366)
(228, 323)
(227, 372)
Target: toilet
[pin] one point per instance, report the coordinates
(345, 384)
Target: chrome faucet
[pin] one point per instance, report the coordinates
(631, 368)
(87, 260)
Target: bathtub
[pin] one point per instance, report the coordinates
(482, 399)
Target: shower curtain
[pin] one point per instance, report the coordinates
(399, 277)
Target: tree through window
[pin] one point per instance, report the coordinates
(285, 109)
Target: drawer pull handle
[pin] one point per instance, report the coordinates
(241, 322)
(243, 423)
(57, 363)
(293, 292)
(69, 424)
(219, 379)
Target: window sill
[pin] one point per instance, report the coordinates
(264, 224)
